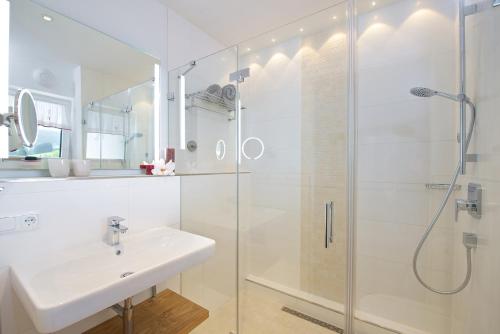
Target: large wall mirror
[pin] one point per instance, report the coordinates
(94, 96)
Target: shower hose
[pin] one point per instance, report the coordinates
(435, 219)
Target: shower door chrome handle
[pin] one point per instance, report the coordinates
(329, 216)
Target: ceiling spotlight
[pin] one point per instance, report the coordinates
(334, 17)
(301, 29)
(273, 40)
(248, 49)
(374, 3)
(47, 18)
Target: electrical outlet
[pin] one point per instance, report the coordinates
(12, 224)
(27, 222)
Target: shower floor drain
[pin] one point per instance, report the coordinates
(313, 320)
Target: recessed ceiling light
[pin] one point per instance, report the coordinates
(301, 29)
(334, 17)
(374, 3)
(47, 18)
(273, 40)
(248, 49)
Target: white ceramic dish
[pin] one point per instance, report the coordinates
(67, 287)
(81, 168)
(59, 167)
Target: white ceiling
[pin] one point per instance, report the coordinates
(233, 21)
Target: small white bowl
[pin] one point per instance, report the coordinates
(59, 167)
(81, 168)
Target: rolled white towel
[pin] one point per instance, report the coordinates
(229, 93)
(214, 90)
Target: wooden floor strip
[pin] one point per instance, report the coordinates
(168, 313)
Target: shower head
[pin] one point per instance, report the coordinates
(427, 92)
(423, 92)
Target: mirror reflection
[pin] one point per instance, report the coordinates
(93, 95)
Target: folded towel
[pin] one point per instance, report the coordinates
(214, 90)
(229, 93)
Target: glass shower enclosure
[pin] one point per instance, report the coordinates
(118, 129)
(319, 177)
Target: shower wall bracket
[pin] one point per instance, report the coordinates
(239, 76)
(471, 9)
(480, 7)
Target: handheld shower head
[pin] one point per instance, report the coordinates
(427, 92)
(423, 92)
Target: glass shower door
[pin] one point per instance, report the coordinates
(292, 177)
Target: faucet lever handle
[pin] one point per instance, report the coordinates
(115, 220)
(460, 205)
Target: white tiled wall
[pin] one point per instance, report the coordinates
(73, 213)
(476, 309)
(405, 142)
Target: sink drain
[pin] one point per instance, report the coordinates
(128, 273)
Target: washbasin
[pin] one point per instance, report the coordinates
(60, 290)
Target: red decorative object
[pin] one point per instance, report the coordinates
(170, 155)
(148, 168)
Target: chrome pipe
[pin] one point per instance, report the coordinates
(192, 65)
(462, 96)
(127, 318)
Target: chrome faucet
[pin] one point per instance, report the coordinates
(115, 228)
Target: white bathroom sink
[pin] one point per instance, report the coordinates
(65, 288)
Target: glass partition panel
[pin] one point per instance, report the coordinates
(292, 198)
(208, 167)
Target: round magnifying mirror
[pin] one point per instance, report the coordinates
(26, 121)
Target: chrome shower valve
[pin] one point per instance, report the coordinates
(473, 202)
